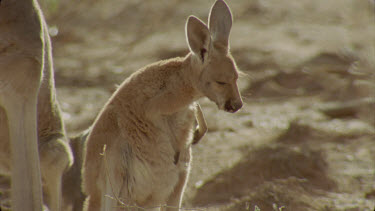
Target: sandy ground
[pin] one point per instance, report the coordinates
(305, 138)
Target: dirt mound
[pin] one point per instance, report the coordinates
(280, 194)
(268, 164)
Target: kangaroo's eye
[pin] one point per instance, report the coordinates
(220, 83)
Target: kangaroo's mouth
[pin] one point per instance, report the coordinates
(231, 110)
(233, 106)
(226, 108)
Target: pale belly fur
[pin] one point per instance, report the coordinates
(148, 178)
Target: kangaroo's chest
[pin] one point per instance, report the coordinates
(179, 127)
(157, 174)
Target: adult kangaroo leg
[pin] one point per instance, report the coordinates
(21, 65)
(21, 115)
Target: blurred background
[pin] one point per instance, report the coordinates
(305, 138)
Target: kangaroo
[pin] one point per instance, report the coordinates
(31, 128)
(147, 125)
(72, 193)
(73, 196)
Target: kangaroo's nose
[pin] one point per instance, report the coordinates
(232, 107)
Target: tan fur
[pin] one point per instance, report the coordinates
(202, 128)
(73, 196)
(147, 125)
(30, 121)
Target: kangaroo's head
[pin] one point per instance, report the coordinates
(209, 45)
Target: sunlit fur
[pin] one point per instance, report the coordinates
(30, 121)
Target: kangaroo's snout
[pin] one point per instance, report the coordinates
(232, 106)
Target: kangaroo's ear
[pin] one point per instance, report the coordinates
(198, 37)
(220, 22)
